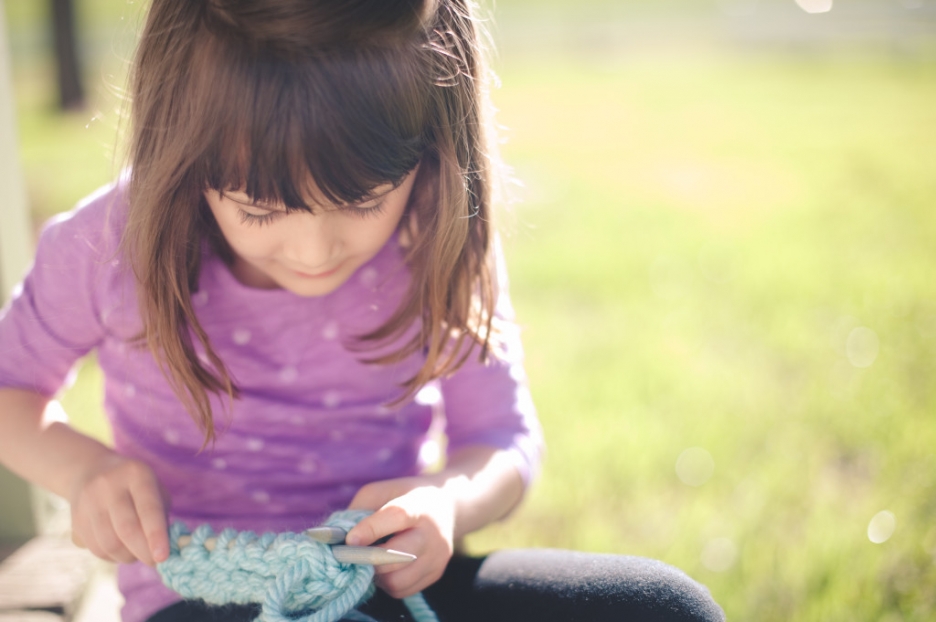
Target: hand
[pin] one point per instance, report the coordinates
(118, 512)
(422, 515)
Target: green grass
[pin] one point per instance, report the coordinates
(700, 238)
(697, 241)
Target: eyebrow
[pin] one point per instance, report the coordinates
(364, 199)
(248, 203)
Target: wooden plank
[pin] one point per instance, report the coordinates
(30, 616)
(47, 573)
(102, 599)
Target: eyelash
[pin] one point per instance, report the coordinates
(247, 218)
(365, 212)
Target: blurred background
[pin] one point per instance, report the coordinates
(722, 253)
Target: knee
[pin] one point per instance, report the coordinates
(572, 586)
(665, 593)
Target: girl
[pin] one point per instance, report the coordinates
(291, 290)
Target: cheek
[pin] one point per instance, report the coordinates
(371, 237)
(246, 241)
(256, 246)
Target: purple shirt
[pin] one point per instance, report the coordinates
(312, 424)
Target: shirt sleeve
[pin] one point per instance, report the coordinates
(52, 318)
(490, 403)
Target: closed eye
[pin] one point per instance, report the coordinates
(247, 218)
(364, 210)
(254, 213)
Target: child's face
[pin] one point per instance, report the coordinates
(307, 254)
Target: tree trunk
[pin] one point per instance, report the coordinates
(71, 93)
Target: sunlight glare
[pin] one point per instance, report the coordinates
(54, 413)
(430, 453)
(815, 6)
(882, 527)
(429, 395)
(841, 329)
(695, 466)
(719, 554)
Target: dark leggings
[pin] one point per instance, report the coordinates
(530, 584)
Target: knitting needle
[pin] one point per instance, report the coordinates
(366, 555)
(334, 535)
(327, 535)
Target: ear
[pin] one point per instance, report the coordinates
(422, 198)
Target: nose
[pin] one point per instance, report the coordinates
(311, 245)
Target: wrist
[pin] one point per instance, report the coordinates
(484, 485)
(98, 460)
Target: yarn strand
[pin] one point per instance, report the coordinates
(292, 577)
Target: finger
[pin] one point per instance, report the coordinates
(387, 520)
(106, 544)
(400, 584)
(408, 580)
(411, 541)
(89, 529)
(148, 501)
(126, 526)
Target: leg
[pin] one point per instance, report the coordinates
(198, 611)
(545, 585)
(560, 586)
(569, 586)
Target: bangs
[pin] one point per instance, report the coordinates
(300, 131)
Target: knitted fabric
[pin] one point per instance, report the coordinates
(294, 578)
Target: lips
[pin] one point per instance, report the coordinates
(317, 275)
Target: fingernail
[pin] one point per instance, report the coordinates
(352, 539)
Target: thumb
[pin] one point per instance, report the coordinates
(384, 522)
(362, 534)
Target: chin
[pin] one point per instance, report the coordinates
(312, 287)
(311, 291)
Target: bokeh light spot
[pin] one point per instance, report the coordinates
(429, 395)
(841, 329)
(882, 527)
(719, 554)
(430, 453)
(862, 347)
(695, 466)
(815, 6)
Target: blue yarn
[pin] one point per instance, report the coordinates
(294, 578)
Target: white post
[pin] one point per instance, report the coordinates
(21, 504)
(16, 243)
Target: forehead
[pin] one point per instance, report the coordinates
(351, 120)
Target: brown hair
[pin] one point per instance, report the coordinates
(270, 94)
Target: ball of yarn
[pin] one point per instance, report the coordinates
(293, 577)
